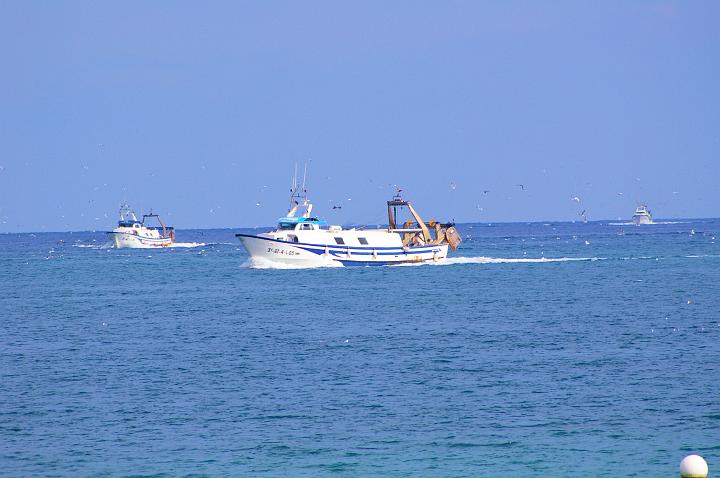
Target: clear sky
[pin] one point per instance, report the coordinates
(200, 110)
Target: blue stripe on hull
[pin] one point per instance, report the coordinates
(378, 263)
(341, 253)
(363, 263)
(343, 248)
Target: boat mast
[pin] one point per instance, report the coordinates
(126, 213)
(293, 194)
(306, 203)
(163, 226)
(398, 201)
(298, 196)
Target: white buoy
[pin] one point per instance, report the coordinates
(693, 466)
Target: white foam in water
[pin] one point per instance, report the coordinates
(106, 245)
(171, 246)
(511, 260)
(630, 223)
(186, 244)
(262, 263)
(110, 245)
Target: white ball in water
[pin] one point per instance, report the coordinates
(693, 466)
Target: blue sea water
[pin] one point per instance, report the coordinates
(558, 350)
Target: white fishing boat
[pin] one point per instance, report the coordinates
(642, 215)
(303, 240)
(132, 233)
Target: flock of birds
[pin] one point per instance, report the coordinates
(334, 205)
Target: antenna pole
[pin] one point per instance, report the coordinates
(304, 177)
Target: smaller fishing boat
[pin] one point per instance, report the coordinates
(131, 233)
(642, 215)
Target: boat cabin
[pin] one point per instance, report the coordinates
(129, 223)
(128, 217)
(300, 224)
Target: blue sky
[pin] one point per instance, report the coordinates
(201, 110)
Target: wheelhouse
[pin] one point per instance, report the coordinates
(128, 217)
(300, 224)
(642, 210)
(129, 223)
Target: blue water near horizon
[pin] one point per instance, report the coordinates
(539, 349)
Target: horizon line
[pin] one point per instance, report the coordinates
(95, 231)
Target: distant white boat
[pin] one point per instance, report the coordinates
(306, 241)
(642, 215)
(131, 233)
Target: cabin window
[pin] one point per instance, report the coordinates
(306, 227)
(284, 226)
(363, 241)
(339, 240)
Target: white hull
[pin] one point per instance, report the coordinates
(127, 240)
(318, 255)
(642, 215)
(638, 220)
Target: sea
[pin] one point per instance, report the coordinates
(536, 350)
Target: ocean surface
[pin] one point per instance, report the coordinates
(543, 349)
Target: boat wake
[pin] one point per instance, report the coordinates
(262, 263)
(510, 260)
(654, 223)
(107, 245)
(184, 244)
(110, 245)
